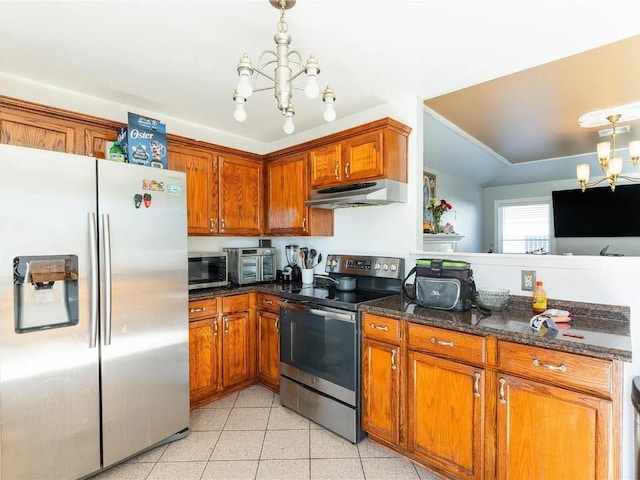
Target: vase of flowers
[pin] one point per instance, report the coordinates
(437, 208)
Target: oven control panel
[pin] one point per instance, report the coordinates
(369, 266)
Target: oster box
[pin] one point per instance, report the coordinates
(144, 141)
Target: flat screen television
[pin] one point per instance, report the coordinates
(597, 212)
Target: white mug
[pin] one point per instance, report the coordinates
(307, 275)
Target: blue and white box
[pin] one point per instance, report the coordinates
(144, 141)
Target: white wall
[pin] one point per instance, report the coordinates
(396, 229)
(466, 214)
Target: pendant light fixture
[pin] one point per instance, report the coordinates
(280, 68)
(610, 163)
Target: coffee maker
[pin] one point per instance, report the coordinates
(291, 272)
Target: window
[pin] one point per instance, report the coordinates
(523, 226)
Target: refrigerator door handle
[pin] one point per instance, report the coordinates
(93, 254)
(106, 231)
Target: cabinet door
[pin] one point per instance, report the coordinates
(549, 432)
(381, 390)
(236, 351)
(204, 358)
(286, 194)
(326, 165)
(363, 157)
(269, 348)
(445, 414)
(38, 131)
(95, 140)
(201, 168)
(240, 196)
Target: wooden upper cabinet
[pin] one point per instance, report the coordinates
(363, 157)
(375, 151)
(37, 131)
(240, 190)
(95, 140)
(326, 165)
(287, 188)
(201, 168)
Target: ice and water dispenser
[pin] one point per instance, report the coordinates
(45, 291)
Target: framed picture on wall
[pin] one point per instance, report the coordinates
(428, 191)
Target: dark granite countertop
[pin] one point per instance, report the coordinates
(605, 328)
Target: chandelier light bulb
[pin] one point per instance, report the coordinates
(244, 85)
(240, 114)
(329, 111)
(288, 126)
(311, 89)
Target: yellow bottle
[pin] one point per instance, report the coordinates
(539, 299)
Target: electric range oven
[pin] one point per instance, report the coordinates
(320, 341)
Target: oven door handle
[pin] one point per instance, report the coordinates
(344, 317)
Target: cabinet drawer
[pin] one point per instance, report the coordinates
(460, 346)
(202, 308)
(235, 303)
(586, 373)
(381, 328)
(267, 302)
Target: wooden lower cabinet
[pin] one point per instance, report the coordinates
(381, 390)
(445, 407)
(205, 350)
(268, 318)
(221, 346)
(474, 407)
(550, 432)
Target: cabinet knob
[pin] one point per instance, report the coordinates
(393, 360)
(476, 384)
(337, 172)
(304, 224)
(346, 170)
(441, 342)
(211, 224)
(222, 224)
(199, 309)
(384, 328)
(503, 398)
(215, 328)
(538, 363)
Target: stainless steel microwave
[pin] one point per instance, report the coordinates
(251, 265)
(207, 270)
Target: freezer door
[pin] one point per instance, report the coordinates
(49, 398)
(144, 301)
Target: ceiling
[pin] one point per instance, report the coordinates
(177, 59)
(533, 114)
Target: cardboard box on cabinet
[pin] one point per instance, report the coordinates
(144, 141)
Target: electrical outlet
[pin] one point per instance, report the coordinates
(528, 279)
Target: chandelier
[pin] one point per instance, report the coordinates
(276, 67)
(610, 164)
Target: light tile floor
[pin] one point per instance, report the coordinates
(249, 435)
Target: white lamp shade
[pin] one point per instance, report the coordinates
(634, 149)
(582, 171)
(604, 148)
(615, 166)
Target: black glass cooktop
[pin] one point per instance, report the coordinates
(329, 296)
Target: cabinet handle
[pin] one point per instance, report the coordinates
(304, 224)
(226, 324)
(503, 399)
(384, 328)
(211, 224)
(538, 363)
(476, 384)
(199, 309)
(222, 224)
(268, 301)
(278, 324)
(215, 328)
(336, 173)
(393, 359)
(346, 170)
(441, 342)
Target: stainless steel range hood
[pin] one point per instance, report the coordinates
(378, 192)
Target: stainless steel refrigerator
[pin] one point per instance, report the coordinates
(94, 360)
